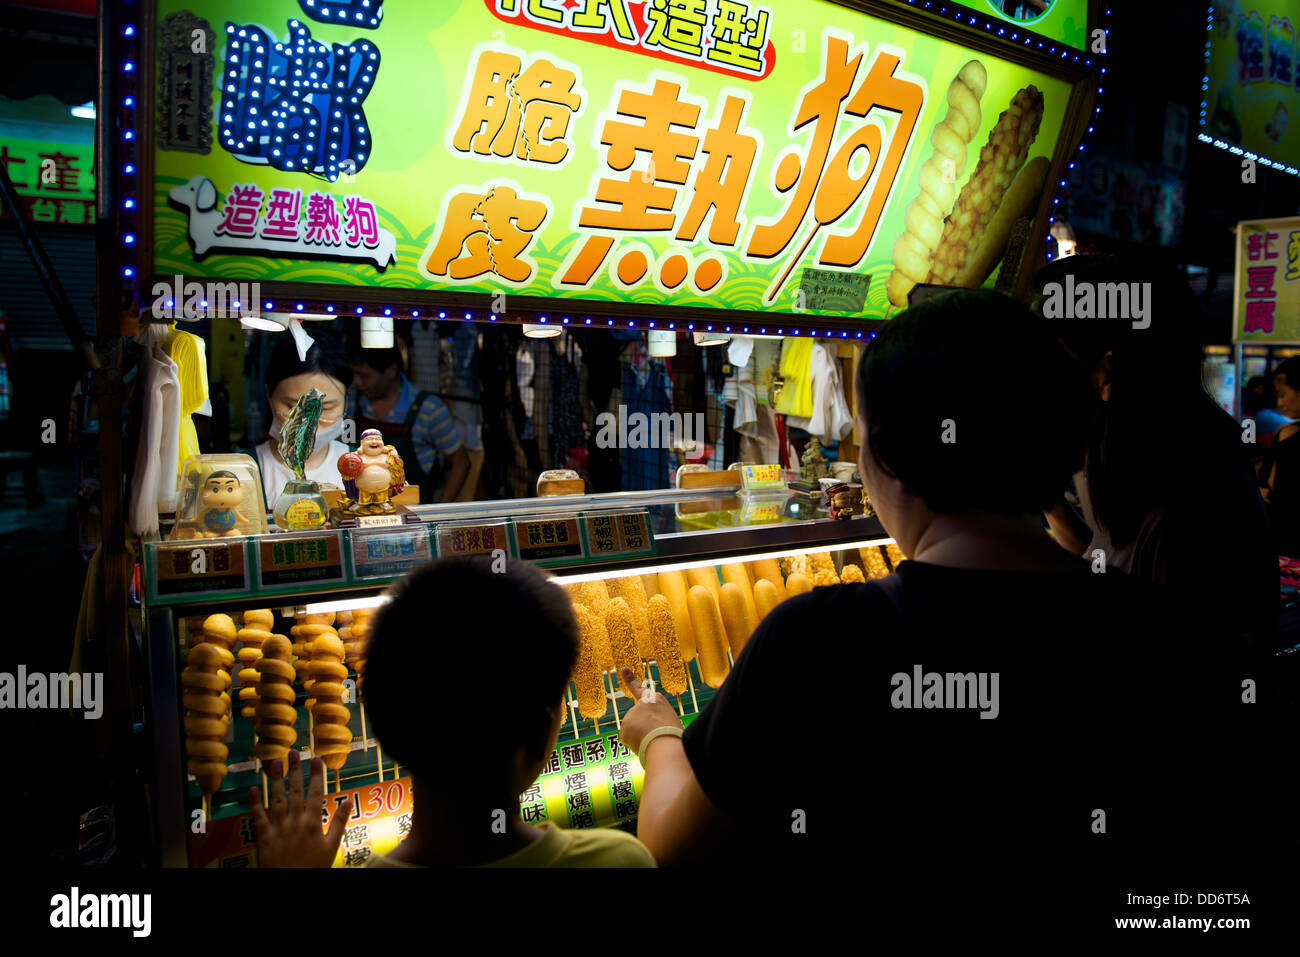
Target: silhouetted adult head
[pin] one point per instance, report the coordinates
(968, 404)
(1135, 327)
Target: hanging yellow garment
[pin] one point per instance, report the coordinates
(190, 355)
(796, 369)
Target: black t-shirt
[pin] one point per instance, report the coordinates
(1104, 701)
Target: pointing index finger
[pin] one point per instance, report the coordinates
(631, 683)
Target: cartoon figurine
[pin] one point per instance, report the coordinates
(221, 495)
(372, 475)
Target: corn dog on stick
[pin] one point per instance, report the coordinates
(823, 569)
(206, 704)
(672, 585)
(599, 639)
(592, 702)
(672, 675)
(651, 584)
(737, 574)
(710, 636)
(632, 591)
(275, 713)
(332, 734)
(256, 630)
(873, 561)
(895, 553)
(769, 570)
(1000, 161)
(798, 583)
(795, 563)
(595, 595)
(705, 577)
(924, 217)
(766, 597)
(620, 625)
(850, 574)
(737, 622)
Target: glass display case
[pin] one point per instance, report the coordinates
(236, 594)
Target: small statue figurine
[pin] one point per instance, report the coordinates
(812, 466)
(221, 495)
(300, 507)
(371, 475)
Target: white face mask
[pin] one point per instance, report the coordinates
(324, 435)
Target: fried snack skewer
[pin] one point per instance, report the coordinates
(632, 591)
(275, 712)
(766, 597)
(587, 676)
(673, 586)
(798, 583)
(668, 656)
(620, 625)
(851, 573)
(711, 641)
(924, 217)
(1000, 161)
(332, 736)
(206, 704)
(737, 621)
(257, 629)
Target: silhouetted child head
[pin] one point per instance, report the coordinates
(465, 672)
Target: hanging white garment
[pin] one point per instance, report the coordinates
(154, 484)
(830, 420)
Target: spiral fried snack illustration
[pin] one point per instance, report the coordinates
(621, 628)
(668, 656)
(206, 704)
(256, 630)
(1000, 161)
(924, 217)
(275, 712)
(586, 672)
(328, 673)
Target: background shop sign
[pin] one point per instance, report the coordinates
(55, 181)
(1251, 89)
(1266, 303)
(613, 152)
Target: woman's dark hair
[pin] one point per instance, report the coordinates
(326, 356)
(1158, 414)
(972, 404)
(461, 637)
(1289, 370)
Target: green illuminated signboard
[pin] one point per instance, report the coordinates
(1251, 90)
(741, 157)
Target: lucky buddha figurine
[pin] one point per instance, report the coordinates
(372, 475)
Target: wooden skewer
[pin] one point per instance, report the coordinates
(365, 742)
(338, 787)
(379, 756)
(691, 684)
(266, 798)
(207, 808)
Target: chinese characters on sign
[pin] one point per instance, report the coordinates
(1260, 295)
(728, 36)
(471, 539)
(54, 181)
(286, 561)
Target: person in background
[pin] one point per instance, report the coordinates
(467, 799)
(416, 424)
(1279, 475)
(1084, 669)
(1176, 505)
(287, 378)
(1259, 402)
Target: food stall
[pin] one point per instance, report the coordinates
(790, 171)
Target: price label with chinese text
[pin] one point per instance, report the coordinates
(762, 476)
(546, 539)
(299, 559)
(197, 567)
(477, 539)
(617, 533)
(389, 554)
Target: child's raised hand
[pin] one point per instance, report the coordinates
(289, 832)
(652, 710)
